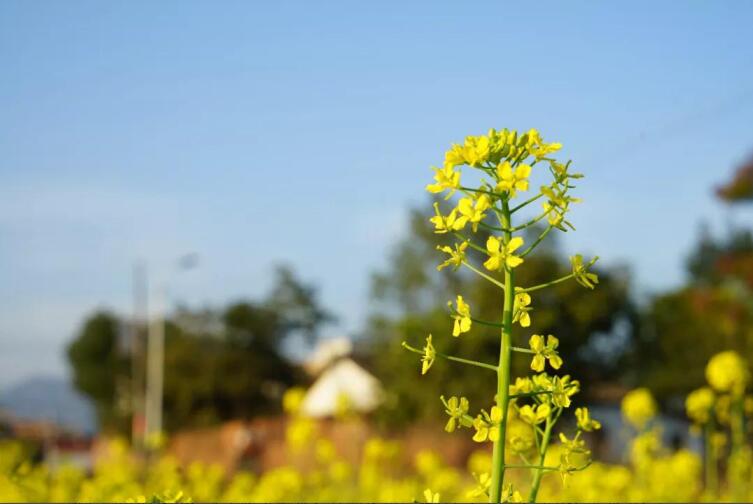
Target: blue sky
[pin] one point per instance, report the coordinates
(259, 132)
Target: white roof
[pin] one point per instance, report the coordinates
(344, 378)
(326, 352)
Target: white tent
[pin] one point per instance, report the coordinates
(343, 379)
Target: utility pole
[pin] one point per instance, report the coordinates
(138, 326)
(155, 367)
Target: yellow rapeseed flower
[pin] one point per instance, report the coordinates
(543, 352)
(562, 388)
(457, 409)
(553, 214)
(509, 494)
(446, 179)
(585, 422)
(581, 273)
(639, 407)
(699, 405)
(444, 224)
(728, 372)
(454, 157)
(521, 307)
(484, 481)
(431, 497)
(501, 255)
(472, 212)
(535, 416)
(457, 255)
(292, 400)
(512, 180)
(462, 317)
(427, 359)
(538, 148)
(486, 427)
(521, 386)
(476, 150)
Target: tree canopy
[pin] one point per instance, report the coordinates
(595, 327)
(219, 364)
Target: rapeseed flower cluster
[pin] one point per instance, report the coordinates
(507, 163)
(653, 473)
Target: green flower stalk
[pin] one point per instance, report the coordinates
(728, 375)
(505, 162)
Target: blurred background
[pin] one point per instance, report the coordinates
(205, 204)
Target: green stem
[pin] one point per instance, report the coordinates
(542, 455)
(538, 467)
(538, 240)
(712, 478)
(737, 426)
(534, 394)
(470, 189)
(548, 284)
(470, 243)
(526, 202)
(470, 362)
(530, 222)
(487, 323)
(522, 350)
(503, 373)
(490, 227)
(484, 275)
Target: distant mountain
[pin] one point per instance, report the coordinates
(52, 399)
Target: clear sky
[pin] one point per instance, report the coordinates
(259, 132)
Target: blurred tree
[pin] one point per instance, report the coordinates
(219, 365)
(595, 327)
(298, 305)
(740, 187)
(99, 366)
(683, 328)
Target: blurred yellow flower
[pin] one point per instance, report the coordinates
(728, 372)
(509, 494)
(699, 404)
(292, 400)
(639, 407)
(431, 497)
(535, 416)
(484, 481)
(585, 422)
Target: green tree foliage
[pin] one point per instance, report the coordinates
(739, 188)
(219, 364)
(99, 364)
(713, 312)
(595, 328)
